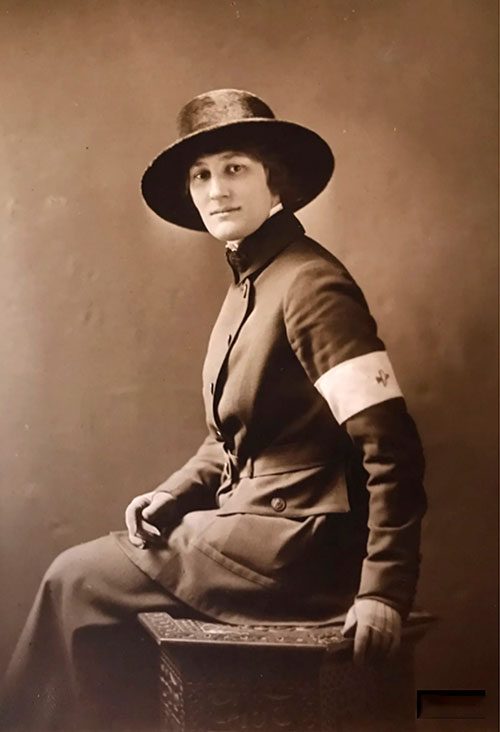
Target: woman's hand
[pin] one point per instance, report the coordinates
(376, 628)
(145, 515)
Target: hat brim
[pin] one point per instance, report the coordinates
(307, 156)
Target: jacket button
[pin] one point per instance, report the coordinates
(278, 504)
(218, 434)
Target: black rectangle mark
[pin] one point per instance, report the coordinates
(450, 704)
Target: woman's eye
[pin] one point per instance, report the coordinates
(200, 175)
(235, 167)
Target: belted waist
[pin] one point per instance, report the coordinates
(294, 480)
(279, 459)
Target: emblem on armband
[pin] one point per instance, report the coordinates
(358, 383)
(382, 377)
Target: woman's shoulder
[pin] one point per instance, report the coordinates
(307, 264)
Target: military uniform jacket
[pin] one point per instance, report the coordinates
(308, 488)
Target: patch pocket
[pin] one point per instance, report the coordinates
(268, 546)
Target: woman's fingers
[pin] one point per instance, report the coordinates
(147, 530)
(380, 644)
(145, 513)
(349, 628)
(371, 645)
(162, 511)
(133, 518)
(160, 508)
(395, 641)
(131, 515)
(362, 643)
(378, 630)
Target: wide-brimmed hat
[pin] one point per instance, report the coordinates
(233, 119)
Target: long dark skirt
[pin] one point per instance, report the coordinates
(82, 662)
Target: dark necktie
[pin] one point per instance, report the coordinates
(237, 259)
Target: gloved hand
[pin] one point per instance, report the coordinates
(376, 628)
(146, 515)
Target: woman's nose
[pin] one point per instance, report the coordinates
(218, 187)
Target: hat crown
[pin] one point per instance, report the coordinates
(220, 107)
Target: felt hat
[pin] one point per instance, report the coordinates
(231, 119)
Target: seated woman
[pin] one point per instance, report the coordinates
(305, 500)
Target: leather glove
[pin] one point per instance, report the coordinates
(376, 628)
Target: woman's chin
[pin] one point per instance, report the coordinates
(226, 232)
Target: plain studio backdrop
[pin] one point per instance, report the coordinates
(105, 310)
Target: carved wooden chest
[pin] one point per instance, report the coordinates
(223, 678)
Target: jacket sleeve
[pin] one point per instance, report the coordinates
(388, 441)
(195, 484)
(335, 339)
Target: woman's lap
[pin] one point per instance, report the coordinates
(98, 576)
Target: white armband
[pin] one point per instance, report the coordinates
(358, 383)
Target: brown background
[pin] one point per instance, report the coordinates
(105, 311)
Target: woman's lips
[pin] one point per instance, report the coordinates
(224, 211)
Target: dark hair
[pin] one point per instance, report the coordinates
(279, 176)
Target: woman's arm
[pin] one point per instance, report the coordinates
(335, 338)
(388, 443)
(195, 484)
(387, 439)
(190, 488)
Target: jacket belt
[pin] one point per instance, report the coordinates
(279, 459)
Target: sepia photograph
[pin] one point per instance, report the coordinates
(249, 379)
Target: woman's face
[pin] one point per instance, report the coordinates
(231, 193)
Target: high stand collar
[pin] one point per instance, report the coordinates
(257, 250)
